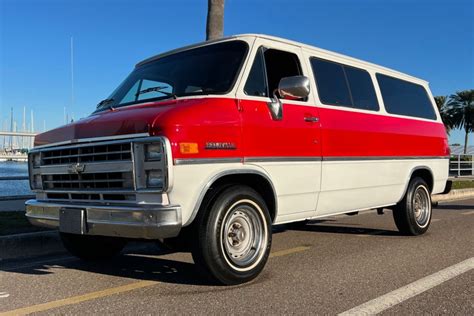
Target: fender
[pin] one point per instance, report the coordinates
(411, 174)
(219, 175)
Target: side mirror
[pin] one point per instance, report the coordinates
(293, 88)
(290, 88)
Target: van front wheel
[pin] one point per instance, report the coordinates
(234, 236)
(412, 214)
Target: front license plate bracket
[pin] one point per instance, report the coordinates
(73, 221)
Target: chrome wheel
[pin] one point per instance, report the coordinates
(422, 206)
(244, 235)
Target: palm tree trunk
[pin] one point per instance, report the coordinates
(466, 137)
(215, 19)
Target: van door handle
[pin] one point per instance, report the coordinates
(311, 119)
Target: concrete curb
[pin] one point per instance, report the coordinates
(30, 244)
(460, 194)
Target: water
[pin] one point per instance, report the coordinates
(14, 187)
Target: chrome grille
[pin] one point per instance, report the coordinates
(88, 181)
(105, 172)
(97, 153)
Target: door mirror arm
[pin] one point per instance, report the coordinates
(275, 106)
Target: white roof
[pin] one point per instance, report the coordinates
(286, 41)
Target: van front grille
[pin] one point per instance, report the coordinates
(93, 153)
(89, 181)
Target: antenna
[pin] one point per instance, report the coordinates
(11, 127)
(23, 127)
(72, 73)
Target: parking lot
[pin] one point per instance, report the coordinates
(357, 264)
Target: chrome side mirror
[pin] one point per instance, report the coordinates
(293, 88)
(290, 88)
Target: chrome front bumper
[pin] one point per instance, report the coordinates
(148, 221)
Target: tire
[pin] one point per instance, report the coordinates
(412, 214)
(234, 236)
(92, 247)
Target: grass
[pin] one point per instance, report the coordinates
(463, 184)
(16, 223)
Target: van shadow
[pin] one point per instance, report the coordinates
(454, 207)
(144, 262)
(325, 226)
(141, 264)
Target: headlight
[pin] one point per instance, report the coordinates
(153, 152)
(36, 159)
(154, 179)
(36, 183)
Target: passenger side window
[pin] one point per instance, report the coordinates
(344, 85)
(269, 67)
(405, 98)
(280, 64)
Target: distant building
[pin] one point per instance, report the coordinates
(459, 150)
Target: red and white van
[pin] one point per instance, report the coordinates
(210, 145)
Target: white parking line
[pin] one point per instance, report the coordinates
(393, 298)
(4, 295)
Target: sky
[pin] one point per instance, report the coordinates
(430, 39)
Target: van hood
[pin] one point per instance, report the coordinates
(135, 119)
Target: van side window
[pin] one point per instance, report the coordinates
(257, 82)
(344, 85)
(405, 98)
(280, 64)
(269, 66)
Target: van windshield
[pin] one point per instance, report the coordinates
(210, 69)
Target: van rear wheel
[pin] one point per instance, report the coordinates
(412, 214)
(234, 236)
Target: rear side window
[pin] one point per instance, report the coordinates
(344, 85)
(405, 98)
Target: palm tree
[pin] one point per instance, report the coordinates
(441, 104)
(460, 112)
(215, 19)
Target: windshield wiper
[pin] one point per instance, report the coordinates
(104, 102)
(156, 89)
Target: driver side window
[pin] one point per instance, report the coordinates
(270, 65)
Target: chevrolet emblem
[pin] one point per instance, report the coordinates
(76, 168)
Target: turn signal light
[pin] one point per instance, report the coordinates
(188, 148)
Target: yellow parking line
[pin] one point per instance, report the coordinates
(112, 291)
(78, 299)
(288, 251)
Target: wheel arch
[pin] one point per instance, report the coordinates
(423, 172)
(255, 179)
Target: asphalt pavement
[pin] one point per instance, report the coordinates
(354, 264)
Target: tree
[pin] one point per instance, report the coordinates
(215, 19)
(460, 112)
(441, 104)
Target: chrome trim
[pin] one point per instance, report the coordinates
(226, 173)
(148, 221)
(92, 139)
(195, 161)
(132, 165)
(280, 159)
(351, 158)
(295, 87)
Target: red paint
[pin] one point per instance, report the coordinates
(248, 124)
